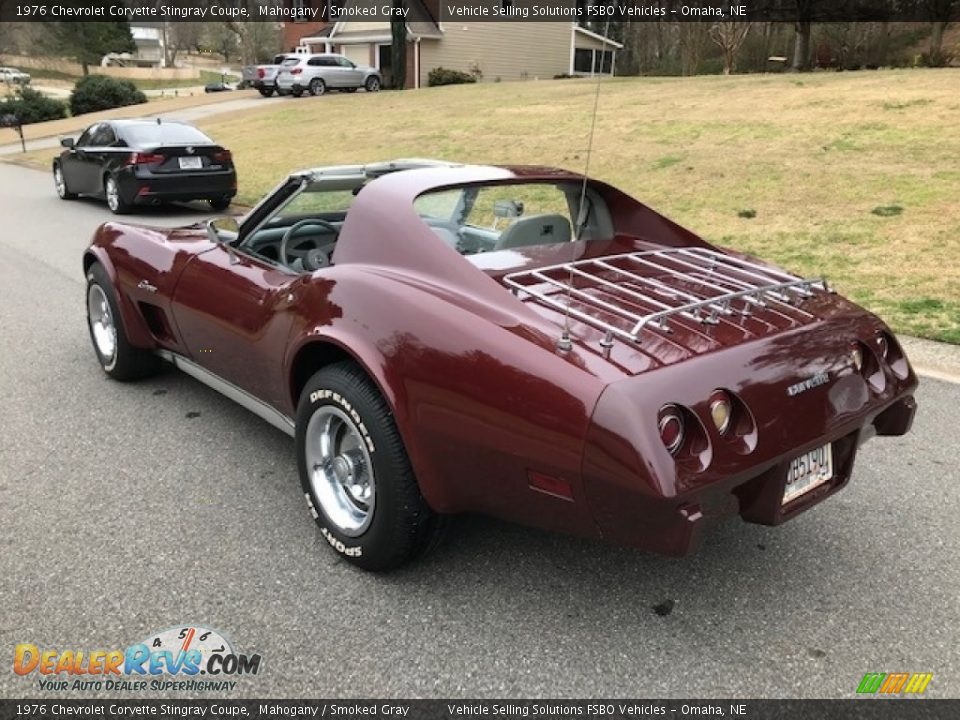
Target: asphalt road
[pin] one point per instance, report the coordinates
(127, 509)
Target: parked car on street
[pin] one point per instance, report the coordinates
(145, 161)
(325, 71)
(517, 341)
(11, 76)
(264, 77)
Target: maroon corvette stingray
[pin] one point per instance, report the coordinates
(516, 341)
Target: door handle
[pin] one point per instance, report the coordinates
(144, 285)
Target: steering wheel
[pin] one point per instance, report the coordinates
(313, 258)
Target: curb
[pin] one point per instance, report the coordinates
(937, 360)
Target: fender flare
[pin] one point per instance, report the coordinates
(134, 326)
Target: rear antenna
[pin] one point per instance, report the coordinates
(564, 344)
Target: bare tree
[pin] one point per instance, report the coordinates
(941, 14)
(179, 36)
(256, 40)
(692, 38)
(729, 36)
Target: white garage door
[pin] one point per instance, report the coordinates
(360, 54)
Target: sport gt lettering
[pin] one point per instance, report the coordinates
(355, 551)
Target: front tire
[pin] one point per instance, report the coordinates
(219, 204)
(60, 183)
(116, 203)
(317, 87)
(355, 472)
(297, 92)
(266, 91)
(118, 358)
(372, 84)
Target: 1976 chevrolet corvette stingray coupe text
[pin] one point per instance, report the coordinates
(517, 341)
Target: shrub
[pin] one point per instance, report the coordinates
(99, 92)
(443, 76)
(32, 106)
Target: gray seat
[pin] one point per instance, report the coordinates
(535, 230)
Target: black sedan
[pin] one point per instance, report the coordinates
(138, 162)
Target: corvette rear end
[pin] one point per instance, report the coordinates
(746, 390)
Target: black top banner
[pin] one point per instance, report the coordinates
(864, 709)
(479, 10)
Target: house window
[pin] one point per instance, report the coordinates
(592, 61)
(582, 60)
(602, 61)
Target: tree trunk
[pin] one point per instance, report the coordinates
(936, 58)
(801, 50)
(398, 51)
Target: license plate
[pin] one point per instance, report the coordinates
(191, 163)
(810, 470)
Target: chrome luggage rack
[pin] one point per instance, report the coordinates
(709, 285)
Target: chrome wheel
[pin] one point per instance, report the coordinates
(58, 181)
(373, 85)
(113, 195)
(102, 327)
(341, 474)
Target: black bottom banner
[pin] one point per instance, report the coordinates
(868, 709)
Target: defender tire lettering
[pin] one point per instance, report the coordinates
(318, 395)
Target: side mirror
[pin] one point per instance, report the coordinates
(223, 229)
(67, 142)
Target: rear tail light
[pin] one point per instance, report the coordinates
(856, 357)
(223, 156)
(296, 71)
(721, 410)
(261, 73)
(145, 158)
(891, 352)
(671, 428)
(867, 364)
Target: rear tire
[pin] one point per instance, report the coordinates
(220, 204)
(118, 358)
(266, 91)
(297, 92)
(355, 472)
(317, 87)
(116, 203)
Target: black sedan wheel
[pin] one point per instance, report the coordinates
(60, 183)
(116, 203)
(219, 204)
(372, 84)
(317, 87)
(355, 473)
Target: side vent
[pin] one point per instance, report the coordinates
(156, 321)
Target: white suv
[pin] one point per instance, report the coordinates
(12, 75)
(318, 73)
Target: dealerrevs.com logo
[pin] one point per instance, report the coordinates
(190, 657)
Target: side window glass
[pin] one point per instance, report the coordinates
(84, 140)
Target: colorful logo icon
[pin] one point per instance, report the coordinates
(894, 683)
